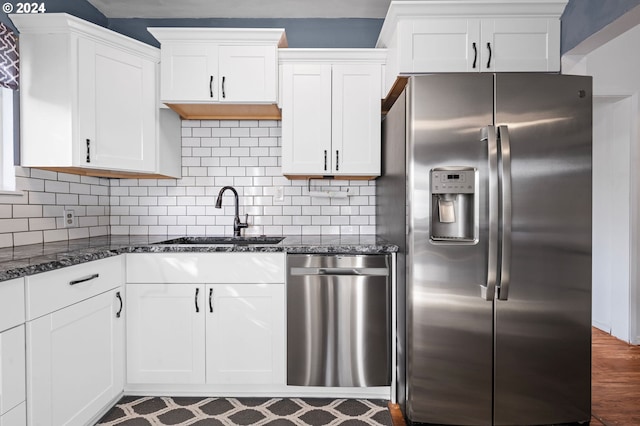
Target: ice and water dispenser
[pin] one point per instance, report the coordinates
(454, 205)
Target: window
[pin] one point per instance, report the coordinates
(7, 170)
(9, 76)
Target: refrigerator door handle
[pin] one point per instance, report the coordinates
(489, 135)
(505, 173)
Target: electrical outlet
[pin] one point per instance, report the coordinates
(69, 218)
(279, 196)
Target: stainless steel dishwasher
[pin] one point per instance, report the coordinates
(338, 320)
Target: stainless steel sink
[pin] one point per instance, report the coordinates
(222, 240)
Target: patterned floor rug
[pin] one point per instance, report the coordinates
(152, 411)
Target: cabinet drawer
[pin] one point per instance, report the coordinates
(50, 291)
(11, 303)
(226, 268)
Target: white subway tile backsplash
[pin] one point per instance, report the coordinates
(24, 238)
(245, 154)
(35, 216)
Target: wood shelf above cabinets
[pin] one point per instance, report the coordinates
(227, 112)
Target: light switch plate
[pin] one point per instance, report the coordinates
(279, 196)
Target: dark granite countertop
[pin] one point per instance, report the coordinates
(20, 261)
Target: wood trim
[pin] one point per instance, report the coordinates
(105, 173)
(227, 111)
(397, 419)
(394, 93)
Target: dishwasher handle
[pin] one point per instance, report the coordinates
(340, 271)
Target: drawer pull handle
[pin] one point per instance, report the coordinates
(211, 87)
(475, 55)
(224, 94)
(210, 300)
(489, 61)
(85, 279)
(121, 304)
(197, 292)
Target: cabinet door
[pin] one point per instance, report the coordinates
(116, 107)
(165, 333)
(75, 359)
(355, 148)
(12, 368)
(526, 44)
(306, 119)
(245, 334)
(247, 73)
(439, 45)
(189, 72)
(15, 417)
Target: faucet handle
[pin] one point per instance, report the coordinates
(244, 224)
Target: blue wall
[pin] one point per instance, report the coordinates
(327, 33)
(80, 8)
(582, 18)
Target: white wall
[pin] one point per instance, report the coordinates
(615, 67)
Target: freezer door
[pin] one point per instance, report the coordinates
(449, 324)
(543, 334)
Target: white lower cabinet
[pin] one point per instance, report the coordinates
(12, 354)
(17, 416)
(12, 375)
(75, 361)
(75, 342)
(165, 330)
(205, 334)
(219, 322)
(245, 333)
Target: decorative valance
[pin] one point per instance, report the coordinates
(9, 58)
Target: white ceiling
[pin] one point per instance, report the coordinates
(242, 8)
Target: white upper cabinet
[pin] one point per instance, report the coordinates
(203, 69)
(116, 107)
(88, 101)
(471, 36)
(331, 112)
(187, 71)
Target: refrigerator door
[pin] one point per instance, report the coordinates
(543, 334)
(449, 324)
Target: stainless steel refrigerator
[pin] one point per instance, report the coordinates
(486, 188)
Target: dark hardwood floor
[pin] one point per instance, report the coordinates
(615, 387)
